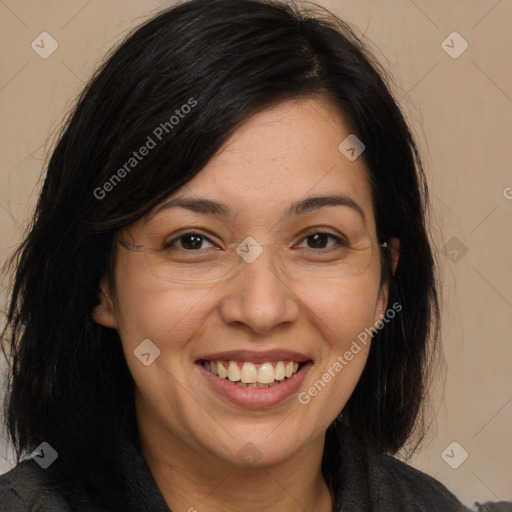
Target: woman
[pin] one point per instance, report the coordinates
(227, 298)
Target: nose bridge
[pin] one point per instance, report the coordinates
(250, 251)
(261, 262)
(259, 295)
(259, 267)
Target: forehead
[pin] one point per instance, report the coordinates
(279, 156)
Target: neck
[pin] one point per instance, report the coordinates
(192, 479)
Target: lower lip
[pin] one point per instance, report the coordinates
(256, 397)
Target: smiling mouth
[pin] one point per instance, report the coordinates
(251, 375)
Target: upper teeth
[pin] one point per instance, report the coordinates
(249, 373)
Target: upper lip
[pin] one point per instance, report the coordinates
(256, 356)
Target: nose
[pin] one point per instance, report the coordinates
(259, 296)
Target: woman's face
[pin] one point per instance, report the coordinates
(263, 311)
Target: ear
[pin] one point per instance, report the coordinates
(104, 312)
(394, 250)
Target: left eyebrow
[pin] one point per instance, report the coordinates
(317, 202)
(209, 207)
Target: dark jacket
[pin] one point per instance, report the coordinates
(362, 481)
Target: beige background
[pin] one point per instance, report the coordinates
(461, 111)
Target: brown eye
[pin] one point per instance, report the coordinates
(318, 240)
(321, 241)
(188, 241)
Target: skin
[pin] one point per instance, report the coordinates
(190, 436)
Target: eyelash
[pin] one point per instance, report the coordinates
(340, 241)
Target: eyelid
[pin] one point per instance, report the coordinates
(177, 237)
(340, 239)
(323, 230)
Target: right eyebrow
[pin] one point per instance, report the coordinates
(202, 205)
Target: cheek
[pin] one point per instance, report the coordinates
(340, 312)
(343, 310)
(147, 307)
(170, 317)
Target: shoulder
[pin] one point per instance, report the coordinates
(375, 481)
(28, 487)
(25, 487)
(400, 483)
(497, 506)
(415, 490)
